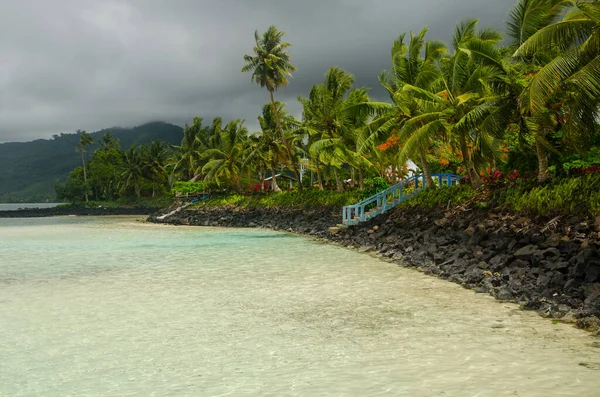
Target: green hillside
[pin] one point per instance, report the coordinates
(29, 170)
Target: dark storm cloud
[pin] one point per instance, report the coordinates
(68, 64)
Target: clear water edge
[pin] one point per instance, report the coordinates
(113, 306)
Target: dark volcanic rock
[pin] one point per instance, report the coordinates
(526, 252)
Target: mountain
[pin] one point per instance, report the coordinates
(29, 170)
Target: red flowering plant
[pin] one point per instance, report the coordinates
(495, 178)
(392, 141)
(593, 169)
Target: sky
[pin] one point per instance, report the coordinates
(92, 64)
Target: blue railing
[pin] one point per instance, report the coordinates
(391, 197)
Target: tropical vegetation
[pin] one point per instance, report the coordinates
(523, 103)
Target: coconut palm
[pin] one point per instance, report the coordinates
(133, 175)
(155, 158)
(568, 78)
(224, 162)
(108, 142)
(85, 140)
(270, 66)
(415, 69)
(272, 147)
(332, 123)
(465, 85)
(187, 159)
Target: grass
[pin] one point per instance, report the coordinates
(566, 196)
(441, 197)
(305, 199)
(572, 196)
(152, 202)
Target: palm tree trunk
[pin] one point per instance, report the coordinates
(274, 186)
(318, 173)
(426, 171)
(261, 180)
(84, 173)
(473, 174)
(361, 181)
(352, 181)
(340, 187)
(153, 189)
(542, 155)
(285, 142)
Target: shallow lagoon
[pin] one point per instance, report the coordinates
(113, 306)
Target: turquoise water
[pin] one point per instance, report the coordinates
(117, 307)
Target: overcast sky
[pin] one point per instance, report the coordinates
(91, 64)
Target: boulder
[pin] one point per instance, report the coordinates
(504, 294)
(592, 272)
(526, 252)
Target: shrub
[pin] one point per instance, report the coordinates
(574, 195)
(433, 198)
(373, 186)
(187, 187)
(304, 199)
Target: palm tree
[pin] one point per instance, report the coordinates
(225, 161)
(271, 146)
(108, 141)
(415, 69)
(332, 123)
(270, 66)
(449, 107)
(85, 140)
(155, 158)
(187, 155)
(133, 176)
(256, 158)
(569, 75)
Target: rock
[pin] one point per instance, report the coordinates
(526, 252)
(334, 230)
(375, 228)
(560, 311)
(499, 261)
(441, 222)
(550, 253)
(591, 323)
(591, 305)
(504, 294)
(470, 231)
(592, 272)
(519, 263)
(585, 255)
(543, 281)
(473, 275)
(571, 284)
(397, 256)
(366, 248)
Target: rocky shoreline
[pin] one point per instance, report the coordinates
(78, 211)
(548, 265)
